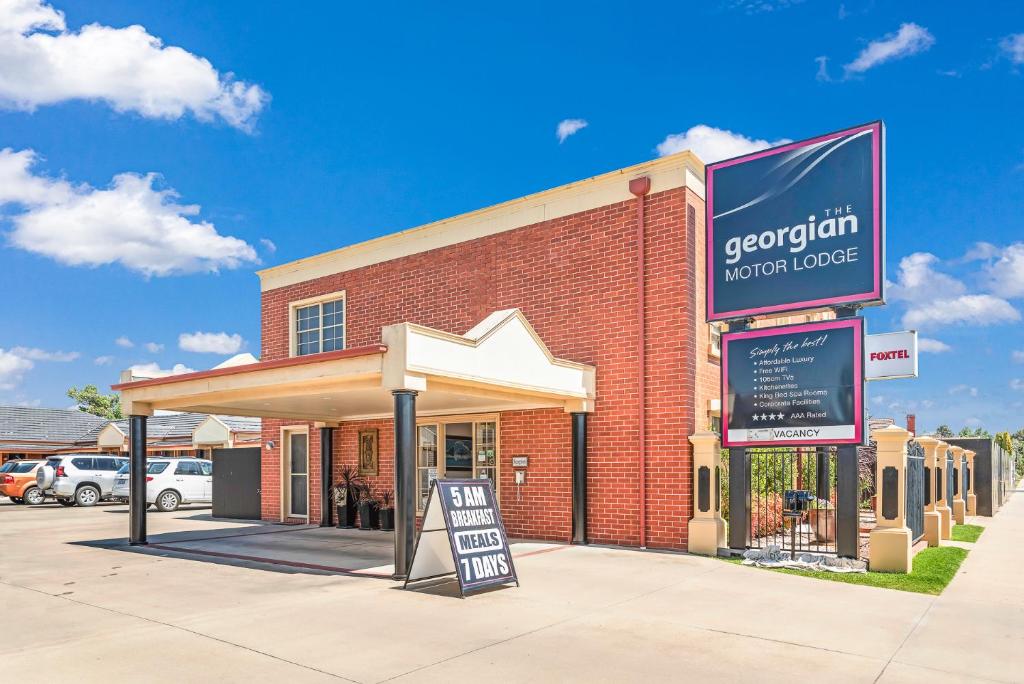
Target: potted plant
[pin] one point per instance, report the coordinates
(345, 493)
(386, 509)
(821, 516)
(367, 508)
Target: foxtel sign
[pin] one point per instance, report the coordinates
(797, 227)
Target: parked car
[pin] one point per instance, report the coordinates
(171, 482)
(18, 482)
(79, 479)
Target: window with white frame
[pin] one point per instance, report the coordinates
(320, 327)
(715, 330)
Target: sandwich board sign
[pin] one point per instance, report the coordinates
(463, 535)
(891, 355)
(794, 384)
(796, 227)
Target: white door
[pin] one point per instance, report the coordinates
(206, 467)
(297, 482)
(188, 478)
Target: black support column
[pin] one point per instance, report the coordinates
(326, 474)
(847, 506)
(579, 478)
(405, 479)
(137, 480)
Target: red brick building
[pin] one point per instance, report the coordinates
(605, 276)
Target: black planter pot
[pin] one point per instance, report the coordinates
(343, 519)
(353, 507)
(387, 519)
(366, 515)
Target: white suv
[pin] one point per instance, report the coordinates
(82, 479)
(171, 482)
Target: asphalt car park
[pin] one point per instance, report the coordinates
(213, 599)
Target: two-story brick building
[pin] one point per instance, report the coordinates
(565, 326)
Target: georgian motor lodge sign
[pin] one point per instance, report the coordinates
(463, 534)
(794, 384)
(796, 227)
(891, 355)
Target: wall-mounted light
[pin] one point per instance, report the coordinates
(270, 444)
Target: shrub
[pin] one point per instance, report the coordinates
(765, 515)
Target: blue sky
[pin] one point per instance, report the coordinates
(288, 131)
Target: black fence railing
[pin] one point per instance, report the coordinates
(917, 490)
(950, 478)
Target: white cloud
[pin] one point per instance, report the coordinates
(1017, 384)
(124, 342)
(964, 389)
(713, 144)
(567, 127)
(978, 309)
(1017, 356)
(909, 40)
(918, 281)
(153, 370)
(1013, 47)
(822, 74)
(929, 346)
(1005, 276)
(268, 245)
(980, 251)
(153, 347)
(103, 360)
(12, 368)
(35, 354)
(212, 343)
(131, 223)
(43, 63)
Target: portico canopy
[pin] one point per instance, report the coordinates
(501, 364)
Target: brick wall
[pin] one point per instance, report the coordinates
(575, 280)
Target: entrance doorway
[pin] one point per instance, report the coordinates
(295, 499)
(457, 448)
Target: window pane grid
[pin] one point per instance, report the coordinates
(320, 327)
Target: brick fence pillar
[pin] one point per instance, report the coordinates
(972, 499)
(959, 504)
(932, 518)
(706, 527)
(891, 538)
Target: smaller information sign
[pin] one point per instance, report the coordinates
(463, 534)
(891, 355)
(795, 384)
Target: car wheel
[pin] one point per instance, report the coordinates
(168, 501)
(34, 496)
(87, 495)
(66, 502)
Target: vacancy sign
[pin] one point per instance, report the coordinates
(463, 535)
(891, 355)
(796, 227)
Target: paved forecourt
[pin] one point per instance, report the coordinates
(94, 611)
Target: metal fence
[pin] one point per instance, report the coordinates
(950, 477)
(917, 490)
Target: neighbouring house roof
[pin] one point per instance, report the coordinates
(46, 430)
(34, 425)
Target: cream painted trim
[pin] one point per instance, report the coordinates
(683, 169)
(286, 475)
(293, 334)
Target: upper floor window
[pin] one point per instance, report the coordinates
(715, 346)
(319, 326)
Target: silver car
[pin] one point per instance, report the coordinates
(79, 479)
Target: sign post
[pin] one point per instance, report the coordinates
(463, 534)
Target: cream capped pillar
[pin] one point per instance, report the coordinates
(972, 499)
(891, 538)
(959, 505)
(941, 487)
(706, 527)
(932, 519)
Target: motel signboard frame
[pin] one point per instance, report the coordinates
(797, 227)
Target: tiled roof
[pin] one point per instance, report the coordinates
(34, 424)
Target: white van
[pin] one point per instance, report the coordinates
(171, 482)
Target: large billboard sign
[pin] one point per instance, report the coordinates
(794, 384)
(797, 227)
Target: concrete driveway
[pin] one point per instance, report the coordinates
(78, 603)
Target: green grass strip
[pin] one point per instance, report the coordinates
(933, 569)
(967, 533)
